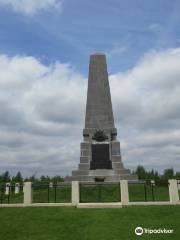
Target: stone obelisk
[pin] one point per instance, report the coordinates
(100, 157)
(99, 114)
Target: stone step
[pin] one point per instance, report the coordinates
(112, 178)
(122, 171)
(116, 158)
(84, 166)
(84, 159)
(80, 172)
(85, 145)
(117, 165)
(84, 153)
(81, 178)
(101, 172)
(84, 178)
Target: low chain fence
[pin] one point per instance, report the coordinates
(148, 190)
(99, 192)
(11, 193)
(51, 193)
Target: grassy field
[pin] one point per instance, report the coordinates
(140, 192)
(100, 193)
(111, 193)
(88, 193)
(43, 194)
(87, 224)
(12, 198)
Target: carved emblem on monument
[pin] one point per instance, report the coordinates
(100, 136)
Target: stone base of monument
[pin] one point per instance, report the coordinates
(103, 175)
(106, 178)
(116, 173)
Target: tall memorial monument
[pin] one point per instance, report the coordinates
(100, 158)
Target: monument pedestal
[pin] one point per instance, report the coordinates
(116, 173)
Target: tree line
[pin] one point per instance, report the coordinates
(160, 179)
(18, 178)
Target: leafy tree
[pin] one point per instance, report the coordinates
(156, 176)
(57, 179)
(32, 178)
(45, 178)
(168, 173)
(18, 177)
(6, 177)
(140, 171)
(177, 175)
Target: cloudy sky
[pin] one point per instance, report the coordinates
(44, 54)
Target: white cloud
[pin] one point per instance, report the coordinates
(116, 51)
(19, 71)
(150, 90)
(31, 7)
(42, 110)
(146, 103)
(40, 115)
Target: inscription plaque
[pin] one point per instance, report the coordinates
(100, 157)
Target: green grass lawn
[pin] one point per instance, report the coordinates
(60, 194)
(111, 193)
(100, 193)
(87, 224)
(137, 192)
(88, 193)
(12, 198)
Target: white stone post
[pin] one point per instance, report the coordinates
(75, 192)
(7, 192)
(27, 192)
(17, 188)
(124, 192)
(173, 191)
